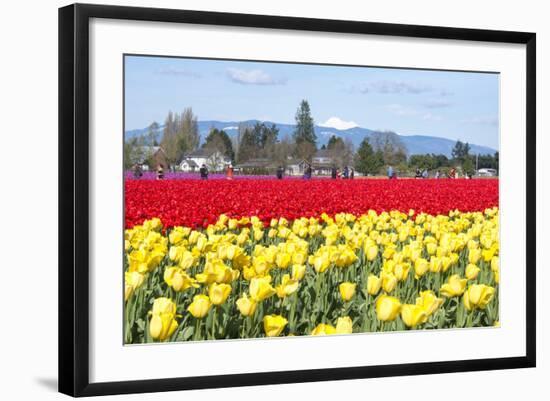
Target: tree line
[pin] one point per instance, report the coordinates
(180, 135)
(372, 160)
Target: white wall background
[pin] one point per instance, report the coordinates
(28, 197)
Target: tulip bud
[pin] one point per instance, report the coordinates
(371, 252)
(472, 271)
(132, 281)
(373, 284)
(246, 306)
(387, 308)
(298, 271)
(478, 296)
(347, 290)
(200, 306)
(389, 282)
(163, 323)
(421, 266)
(218, 293)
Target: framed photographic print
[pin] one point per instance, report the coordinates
(239, 192)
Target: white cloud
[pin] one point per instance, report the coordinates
(253, 77)
(335, 122)
(393, 87)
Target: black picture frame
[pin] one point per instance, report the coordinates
(74, 194)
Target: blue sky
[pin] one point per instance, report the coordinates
(454, 105)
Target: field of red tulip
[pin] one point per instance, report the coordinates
(254, 258)
(196, 203)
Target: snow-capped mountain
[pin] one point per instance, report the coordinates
(415, 144)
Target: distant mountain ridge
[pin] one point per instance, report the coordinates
(415, 144)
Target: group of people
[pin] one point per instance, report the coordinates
(452, 173)
(346, 173)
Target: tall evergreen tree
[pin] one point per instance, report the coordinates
(304, 134)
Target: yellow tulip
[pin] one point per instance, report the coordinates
(274, 325)
(218, 293)
(472, 271)
(371, 252)
(287, 287)
(260, 288)
(387, 308)
(436, 264)
(298, 272)
(413, 315)
(454, 287)
(429, 301)
(431, 248)
(389, 282)
(321, 263)
(323, 330)
(282, 260)
(163, 323)
(178, 279)
(344, 325)
(474, 255)
(478, 296)
(495, 264)
(246, 306)
(421, 266)
(374, 283)
(401, 271)
(200, 306)
(132, 281)
(347, 290)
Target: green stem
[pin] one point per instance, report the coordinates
(214, 313)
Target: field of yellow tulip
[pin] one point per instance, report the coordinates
(243, 278)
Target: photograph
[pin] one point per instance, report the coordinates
(269, 198)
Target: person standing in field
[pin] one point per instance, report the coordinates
(308, 172)
(229, 172)
(390, 172)
(333, 172)
(346, 172)
(138, 173)
(160, 172)
(204, 172)
(280, 172)
(351, 173)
